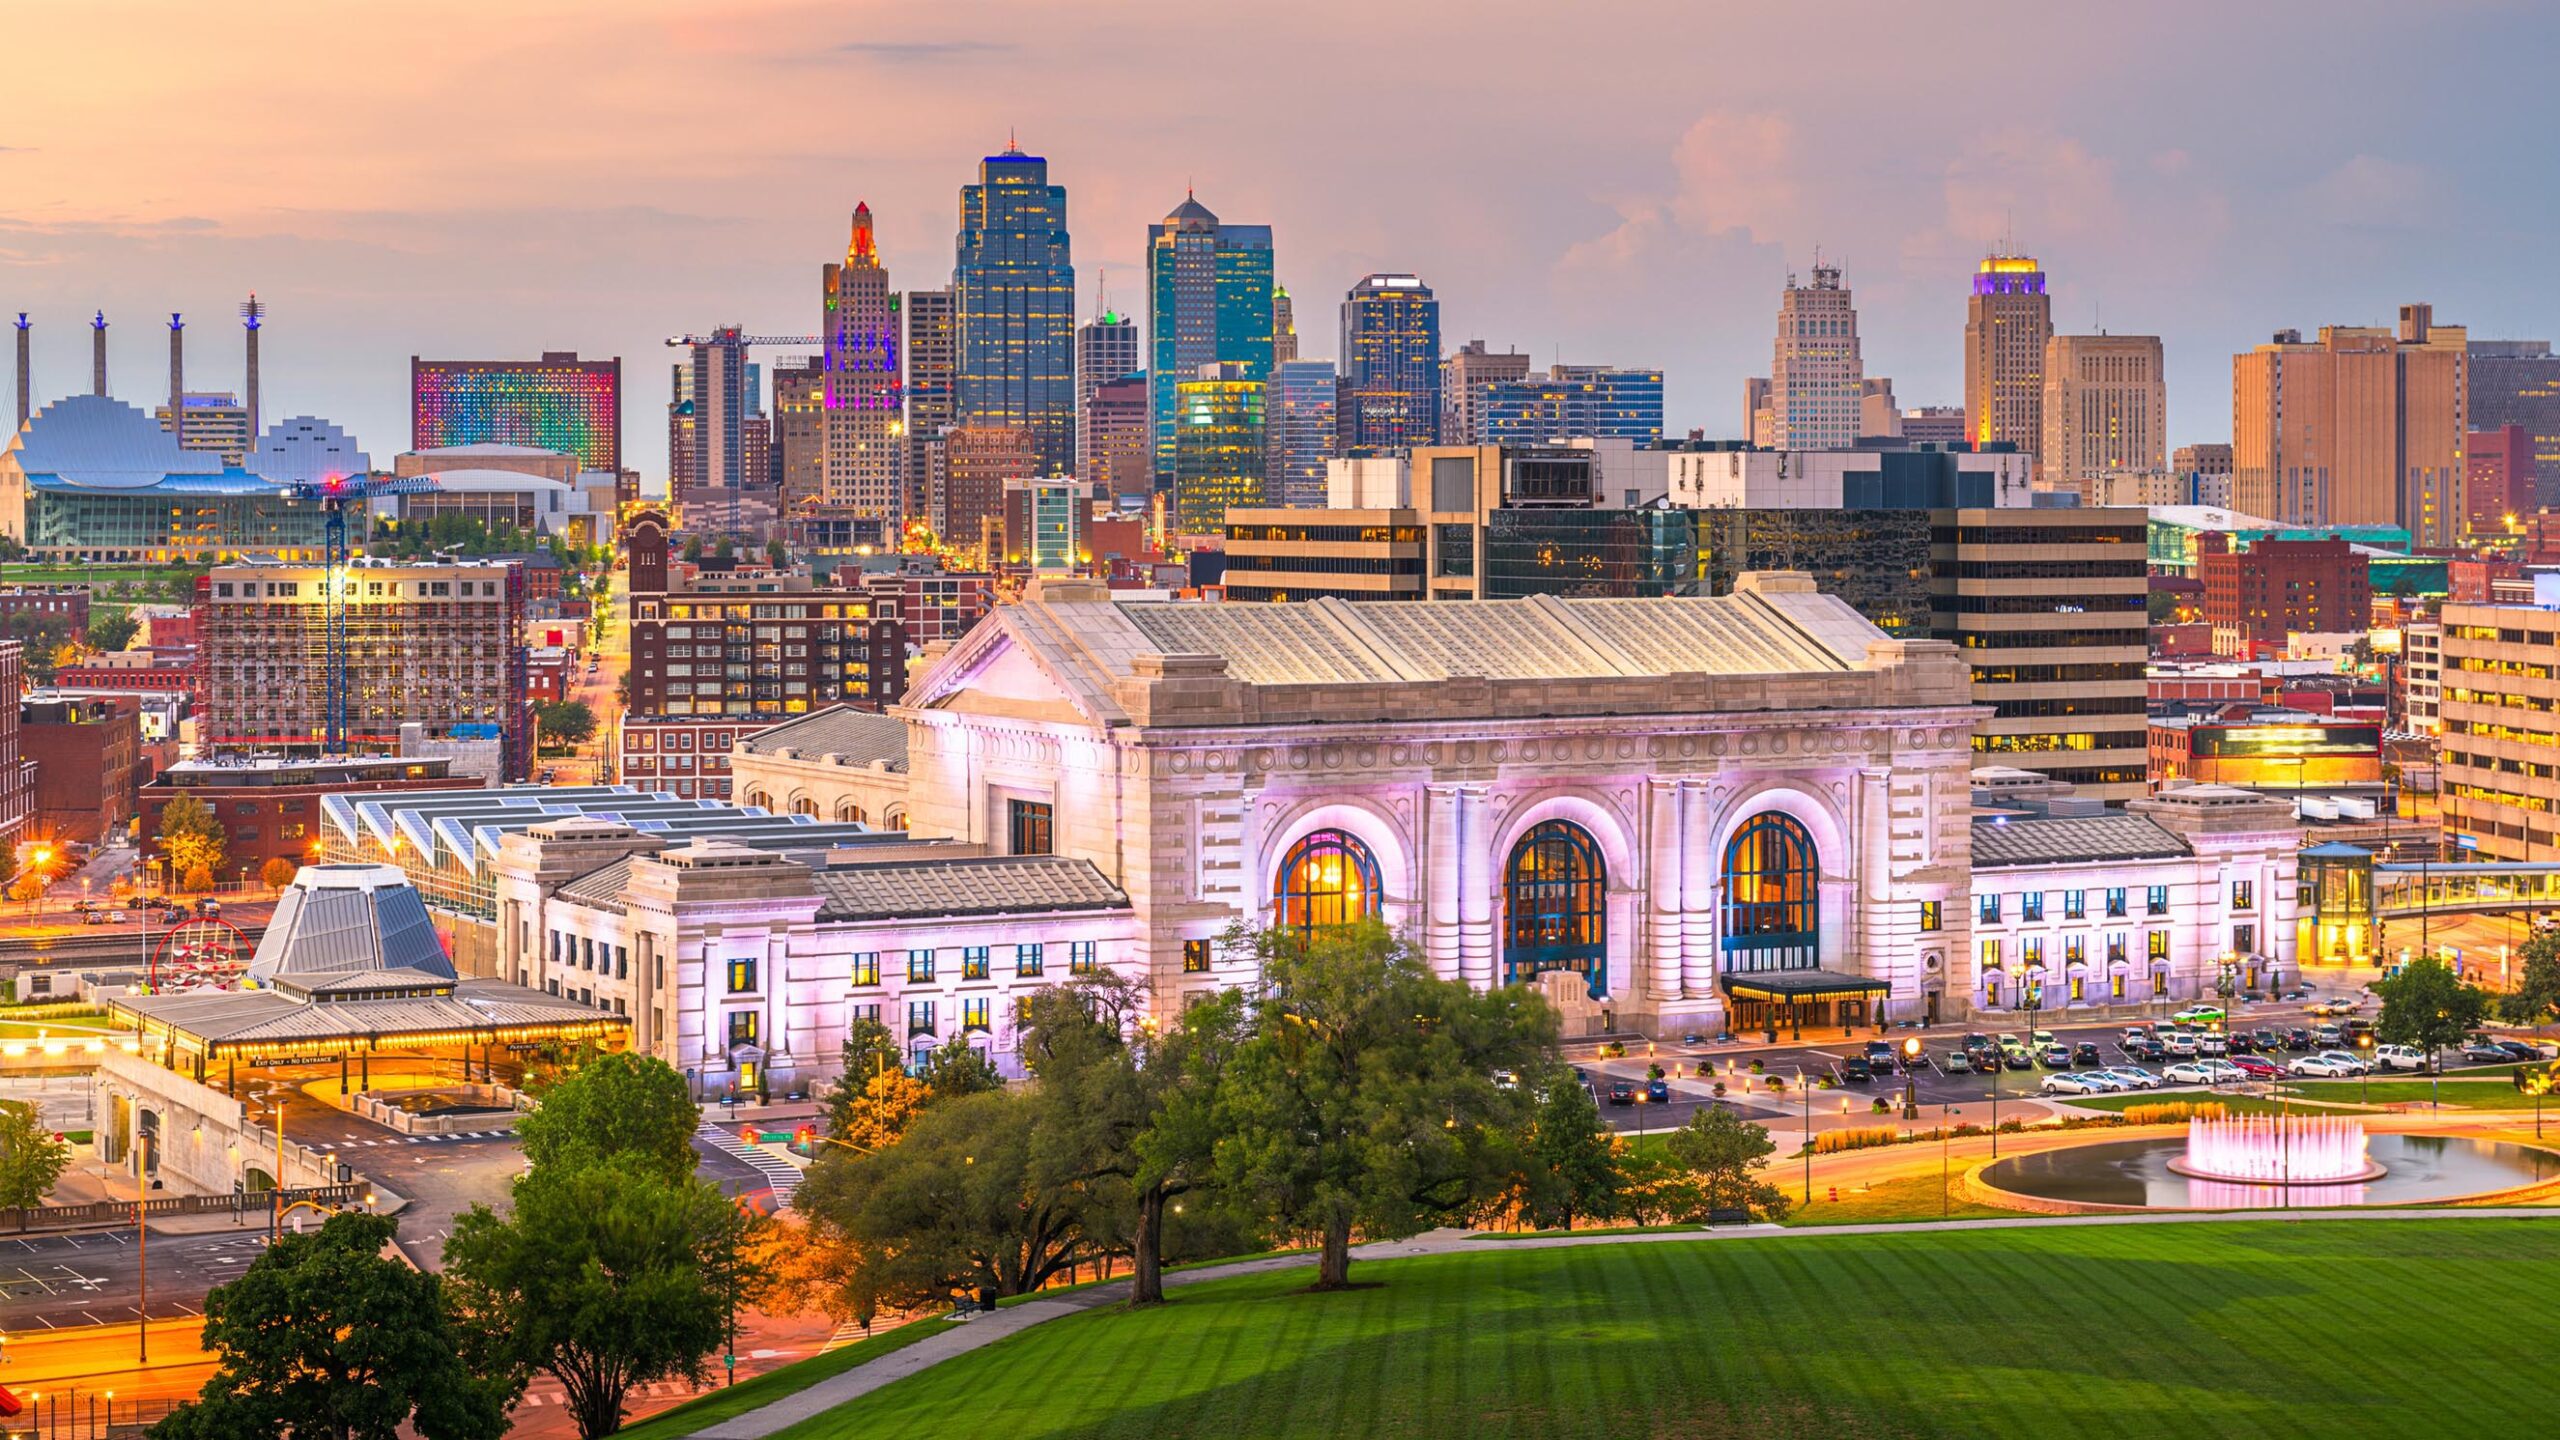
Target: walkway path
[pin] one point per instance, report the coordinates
(985, 1330)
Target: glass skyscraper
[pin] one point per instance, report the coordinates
(1302, 396)
(1013, 284)
(1572, 402)
(1219, 446)
(1208, 303)
(1390, 365)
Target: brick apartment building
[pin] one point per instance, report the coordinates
(270, 809)
(2254, 598)
(88, 763)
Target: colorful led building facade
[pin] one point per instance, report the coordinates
(558, 402)
(1390, 365)
(1208, 303)
(1013, 287)
(1218, 458)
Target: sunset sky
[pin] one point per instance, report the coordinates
(1618, 181)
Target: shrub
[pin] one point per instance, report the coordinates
(1719, 1084)
(1881, 1105)
(2174, 1112)
(1831, 1142)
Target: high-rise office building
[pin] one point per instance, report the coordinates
(864, 429)
(1760, 415)
(800, 433)
(933, 369)
(216, 423)
(558, 402)
(1879, 414)
(1570, 402)
(1118, 456)
(1816, 374)
(2105, 409)
(1013, 284)
(1390, 365)
(2500, 479)
(2363, 426)
(1464, 378)
(1208, 303)
(2007, 321)
(2500, 712)
(1299, 412)
(973, 463)
(707, 432)
(1284, 326)
(1106, 350)
(2517, 382)
(1220, 444)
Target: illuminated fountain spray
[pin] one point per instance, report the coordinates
(2268, 1150)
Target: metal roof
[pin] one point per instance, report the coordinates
(1006, 884)
(857, 737)
(1999, 841)
(336, 921)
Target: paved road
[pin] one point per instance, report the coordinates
(52, 1282)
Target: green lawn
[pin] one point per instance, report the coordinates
(763, 1390)
(2452, 1094)
(2235, 1331)
(2231, 1104)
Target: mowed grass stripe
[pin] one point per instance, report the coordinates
(2237, 1330)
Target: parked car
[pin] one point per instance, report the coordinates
(1856, 1070)
(2103, 1080)
(2238, 1042)
(2149, 1050)
(2137, 1034)
(208, 907)
(2257, 1067)
(2265, 1042)
(2297, 1038)
(1657, 1092)
(2350, 1062)
(2485, 1052)
(2055, 1057)
(2017, 1060)
(2331, 1065)
(2038, 1039)
(2354, 1028)
(2066, 1082)
(2519, 1050)
(1976, 1040)
(1622, 1092)
(2327, 1036)
(2189, 1072)
(2399, 1057)
(93, 917)
(1956, 1062)
(2135, 1077)
(2198, 1015)
(2180, 1043)
(2213, 1046)
(2085, 1053)
(2338, 1007)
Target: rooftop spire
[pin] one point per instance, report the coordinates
(861, 249)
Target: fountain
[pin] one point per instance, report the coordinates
(2273, 1150)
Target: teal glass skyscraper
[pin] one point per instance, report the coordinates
(1390, 365)
(1013, 286)
(1208, 303)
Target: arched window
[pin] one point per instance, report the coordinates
(1328, 878)
(1555, 906)
(759, 800)
(1772, 912)
(803, 805)
(849, 813)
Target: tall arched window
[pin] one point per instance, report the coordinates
(1555, 906)
(849, 813)
(1328, 878)
(1772, 908)
(803, 805)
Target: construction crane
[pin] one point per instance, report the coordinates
(333, 494)
(728, 335)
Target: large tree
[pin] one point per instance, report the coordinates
(955, 1206)
(614, 1105)
(1723, 1155)
(1364, 1098)
(565, 722)
(606, 1276)
(1571, 1171)
(955, 1068)
(2536, 998)
(191, 838)
(324, 1338)
(112, 629)
(1128, 1107)
(32, 1157)
(2428, 1006)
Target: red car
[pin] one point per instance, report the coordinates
(2255, 1068)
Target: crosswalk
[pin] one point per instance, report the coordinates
(784, 1175)
(413, 1140)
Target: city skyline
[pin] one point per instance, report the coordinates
(1640, 226)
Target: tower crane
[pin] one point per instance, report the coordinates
(729, 335)
(333, 493)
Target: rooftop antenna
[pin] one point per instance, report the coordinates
(98, 354)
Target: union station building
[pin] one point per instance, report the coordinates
(1674, 816)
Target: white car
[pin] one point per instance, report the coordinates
(2400, 1057)
(2328, 1063)
(2180, 1043)
(2203, 1072)
(2066, 1082)
(2134, 1077)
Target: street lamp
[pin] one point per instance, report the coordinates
(1911, 1078)
(1807, 1091)
(2364, 1067)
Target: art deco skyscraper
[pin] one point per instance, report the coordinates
(2105, 409)
(1284, 326)
(862, 368)
(1013, 284)
(2006, 324)
(1816, 375)
(1208, 303)
(1390, 365)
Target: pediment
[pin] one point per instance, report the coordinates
(993, 671)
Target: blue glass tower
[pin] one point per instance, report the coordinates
(1390, 365)
(1572, 402)
(1208, 303)
(1013, 284)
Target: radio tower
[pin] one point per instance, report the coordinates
(251, 312)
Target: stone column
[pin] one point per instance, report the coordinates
(1700, 869)
(1662, 870)
(1476, 864)
(1442, 849)
(1874, 925)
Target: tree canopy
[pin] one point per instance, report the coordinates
(324, 1337)
(192, 840)
(2428, 1006)
(2536, 998)
(32, 1157)
(612, 1106)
